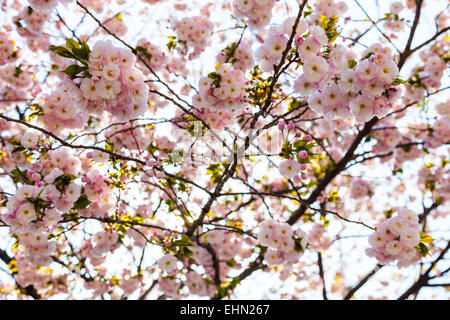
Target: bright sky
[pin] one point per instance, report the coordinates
(354, 263)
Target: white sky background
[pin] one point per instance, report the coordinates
(355, 263)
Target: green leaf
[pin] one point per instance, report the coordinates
(81, 203)
(172, 44)
(352, 63)
(64, 180)
(424, 238)
(71, 44)
(216, 78)
(82, 54)
(61, 51)
(73, 70)
(422, 249)
(398, 81)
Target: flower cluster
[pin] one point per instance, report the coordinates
(222, 91)
(116, 85)
(153, 1)
(41, 278)
(398, 238)
(317, 240)
(363, 90)
(387, 139)
(441, 127)
(8, 51)
(285, 246)
(36, 209)
(258, 12)
(29, 23)
(61, 109)
(99, 194)
(239, 55)
(96, 5)
(168, 263)
(271, 51)
(126, 136)
(296, 155)
(44, 5)
(328, 8)
(393, 22)
(194, 32)
(17, 76)
(360, 189)
(152, 55)
(117, 26)
(104, 242)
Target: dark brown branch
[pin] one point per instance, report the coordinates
(423, 279)
(362, 282)
(322, 275)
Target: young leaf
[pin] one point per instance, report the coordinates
(73, 70)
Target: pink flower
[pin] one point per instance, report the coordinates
(315, 68)
(303, 154)
(289, 168)
(111, 71)
(362, 108)
(29, 139)
(366, 70)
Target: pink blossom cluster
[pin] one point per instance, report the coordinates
(363, 92)
(194, 32)
(61, 159)
(441, 127)
(169, 286)
(117, 26)
(29, 274)
(153, 1)
(116, 86)
(126, 136)
(328, 8)
(198, 286)
(406, 154)
(17, 76)
(271, 51)
(223, 91)
(96, 5)
(242, 58)
(360, 188)
(396, 238)
(129, 283)
(168, 264)
(257, 12)
(428, 74)
(317, 239)
(290, 168)
(279, 238)
(100, 194)
(29, 23)
(45, 5)
(435, 179)
(8, 50)
(387, 139)
(36, 209)
(433, 70)
(103, 243)
(153, 56)
(393, 23)
(226, 246)
(61, 109)
(33, 19)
